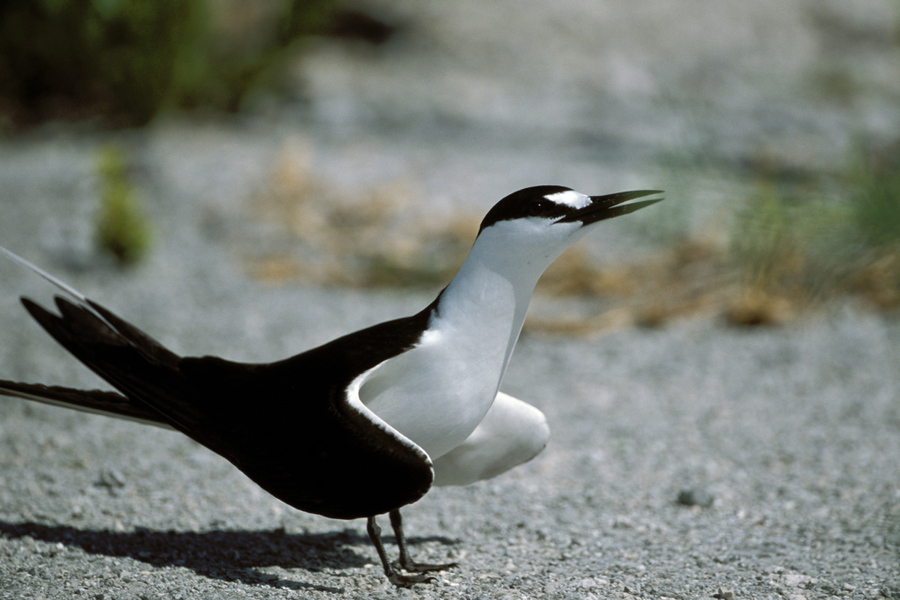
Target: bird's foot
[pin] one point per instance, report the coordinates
(407, 581)
(405, 562)
(411, 566)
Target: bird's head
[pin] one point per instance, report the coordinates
(533, 226)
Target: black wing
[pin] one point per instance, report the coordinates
(289, 426)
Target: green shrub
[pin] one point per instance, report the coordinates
(129, 59)
(876, 202)
(122, 229)
(824, 238)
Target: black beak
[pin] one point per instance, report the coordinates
(611, 205)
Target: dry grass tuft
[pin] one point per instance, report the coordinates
(756, 306)
(344, 237)
(877, 279)
(682, 281)
(788, 251)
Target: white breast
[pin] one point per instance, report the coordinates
(436, 393)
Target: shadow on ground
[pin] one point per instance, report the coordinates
(229, 555)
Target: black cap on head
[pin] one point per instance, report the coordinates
(528, 202)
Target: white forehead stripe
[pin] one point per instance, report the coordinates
(569, 198)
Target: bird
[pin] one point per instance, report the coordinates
(366, 424)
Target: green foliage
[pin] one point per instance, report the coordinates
(765, 238)
(803, 242)
(122, 229)
(876, 203)
(129, 59)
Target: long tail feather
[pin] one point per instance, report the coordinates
(110, 404)
(62, 285)
(68, 289)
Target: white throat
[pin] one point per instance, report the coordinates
(488, 299)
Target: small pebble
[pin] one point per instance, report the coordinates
(695, 497)
(724, 594)
(111, 479)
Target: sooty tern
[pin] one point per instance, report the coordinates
(367, 423)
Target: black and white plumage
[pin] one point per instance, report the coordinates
(365, 424)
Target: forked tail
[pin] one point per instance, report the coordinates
(126, 357)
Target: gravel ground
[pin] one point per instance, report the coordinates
(691, 460)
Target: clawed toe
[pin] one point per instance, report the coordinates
(417, 567)
(406, 581)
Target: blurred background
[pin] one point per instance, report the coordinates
(357, 143)
(251, 179)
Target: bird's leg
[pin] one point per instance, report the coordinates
(406, 563)
(393, 576)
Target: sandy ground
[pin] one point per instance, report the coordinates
(687, 461)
